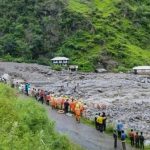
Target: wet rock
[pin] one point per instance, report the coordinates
(81, 77)
(100, 91)
(138, 117)
(49, 73)
(145, 87)
(131, 119)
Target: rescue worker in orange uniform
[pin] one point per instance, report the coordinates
(81, 108)
(53, 103)
(72, 106)
(59, 102)
(77, 112)
(62, 102)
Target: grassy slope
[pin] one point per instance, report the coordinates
(25, 125)
(106, 6)
(123, 41)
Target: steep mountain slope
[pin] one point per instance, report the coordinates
(114, 34)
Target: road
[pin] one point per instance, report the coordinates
(85, 136)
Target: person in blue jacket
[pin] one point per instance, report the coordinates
(27, 86)
(123, 140)
(119, 128)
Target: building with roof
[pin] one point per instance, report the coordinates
(142, 70)
(73, 68)
(60, 60)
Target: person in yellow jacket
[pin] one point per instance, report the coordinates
(100, 120)
(77, 112)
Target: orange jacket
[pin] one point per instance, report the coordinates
(53, 102)
(62, 101)
(78, 108)
(77, 111)
(72, 106)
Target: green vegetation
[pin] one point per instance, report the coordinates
(88, 122)
(25, 125)
(114, 34)
(57, 67)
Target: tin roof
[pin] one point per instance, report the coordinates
(60, 58)
(142, 68)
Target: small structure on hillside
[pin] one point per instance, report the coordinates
(73, 68)
(142, 70)
(60, 60)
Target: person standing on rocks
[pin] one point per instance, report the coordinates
(141, 138)
(115, 136)
(131, 136)
(119, 128)
(123, 140)
(137, 140)
(104, 121)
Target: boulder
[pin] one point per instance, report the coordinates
(7, 78)
(100, 70)
(49, 73)
(82, 77)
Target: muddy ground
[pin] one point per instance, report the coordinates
(126, 96)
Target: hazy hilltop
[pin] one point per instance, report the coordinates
(110, 33)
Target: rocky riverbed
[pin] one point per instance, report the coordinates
(124, 97)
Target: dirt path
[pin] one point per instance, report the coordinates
(86, 136)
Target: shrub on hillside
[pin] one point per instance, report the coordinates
(57, 67)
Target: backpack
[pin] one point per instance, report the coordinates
(141, 137)
(123, 137)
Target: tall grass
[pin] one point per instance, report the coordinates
(24, 125)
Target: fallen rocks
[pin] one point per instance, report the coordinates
(134, 115)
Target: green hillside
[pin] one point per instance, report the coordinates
(25, 125)
(92, 33)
